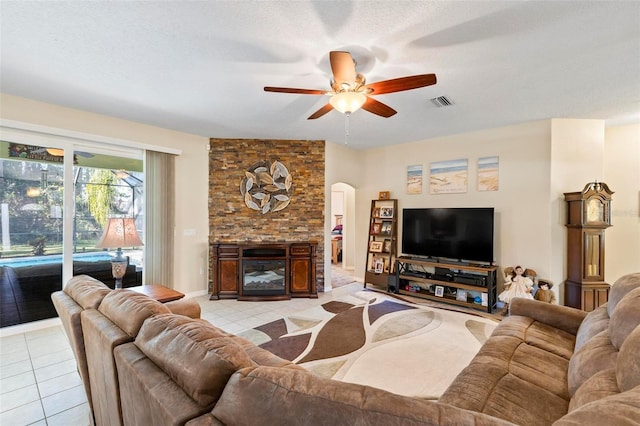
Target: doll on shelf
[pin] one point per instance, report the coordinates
(544, 293)
(516, 285)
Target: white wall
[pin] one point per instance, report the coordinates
(577, 152)
(192, 178)
(622, 175)
(337, 203)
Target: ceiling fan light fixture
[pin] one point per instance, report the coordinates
(347, 102)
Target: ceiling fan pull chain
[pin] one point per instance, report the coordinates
(346, 127)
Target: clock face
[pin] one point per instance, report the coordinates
(595, 210)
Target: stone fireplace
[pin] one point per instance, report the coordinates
(233, 224)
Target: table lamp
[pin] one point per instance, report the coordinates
(119, 232)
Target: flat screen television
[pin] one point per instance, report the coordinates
(462, 234)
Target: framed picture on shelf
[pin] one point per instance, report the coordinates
(386, 228)
(384, 195)
(375, 246)
(386, 212)
(386, 247)
(376, 228)
(484, 299)
(376, 212)
(378, 265)
(439, 291)
(461, 295)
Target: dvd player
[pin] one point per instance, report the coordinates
(470, 279)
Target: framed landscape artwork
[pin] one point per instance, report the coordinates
(414, 179)
(448, 177)
(488, 173)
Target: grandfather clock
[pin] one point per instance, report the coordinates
(588, 215)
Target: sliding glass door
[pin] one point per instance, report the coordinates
(49, 235)
(31, 208)
(106, 188)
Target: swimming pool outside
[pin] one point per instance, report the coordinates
(17, 262)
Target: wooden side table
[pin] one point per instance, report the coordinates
(158, 292)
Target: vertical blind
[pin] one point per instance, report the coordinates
(160, 218)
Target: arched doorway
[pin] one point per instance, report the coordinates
(342, 220)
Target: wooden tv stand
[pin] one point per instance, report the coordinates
(445, 282)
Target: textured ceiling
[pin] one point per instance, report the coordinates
(200, 67)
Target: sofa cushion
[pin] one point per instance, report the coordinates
(596, 355)
(620, 409)
(512, 380)
(285, 396)
(600, 385)
(537, 334)
(620, 288)
(625, 318)
(595, 322)
(128, 309)
(628, 368)
(207, 355)
(86, 291)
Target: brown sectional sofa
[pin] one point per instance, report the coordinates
(545, 364)
(80, 306)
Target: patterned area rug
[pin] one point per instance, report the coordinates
(373, 339)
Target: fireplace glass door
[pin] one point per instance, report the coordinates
(263, 277)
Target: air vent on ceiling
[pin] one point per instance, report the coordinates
(441, 101)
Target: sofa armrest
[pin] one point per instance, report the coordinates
(187, 307)
(561, 317)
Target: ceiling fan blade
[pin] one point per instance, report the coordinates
(343, 68)
(296, 91)
(400, 84)
(319, 113)
(378, 108)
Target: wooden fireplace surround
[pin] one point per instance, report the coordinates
(227, 272)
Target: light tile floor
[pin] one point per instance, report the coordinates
(39, 382)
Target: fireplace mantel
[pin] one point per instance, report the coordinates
(294, 262)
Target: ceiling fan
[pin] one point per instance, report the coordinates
(350, 92)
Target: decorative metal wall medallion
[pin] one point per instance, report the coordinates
(267, 187)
